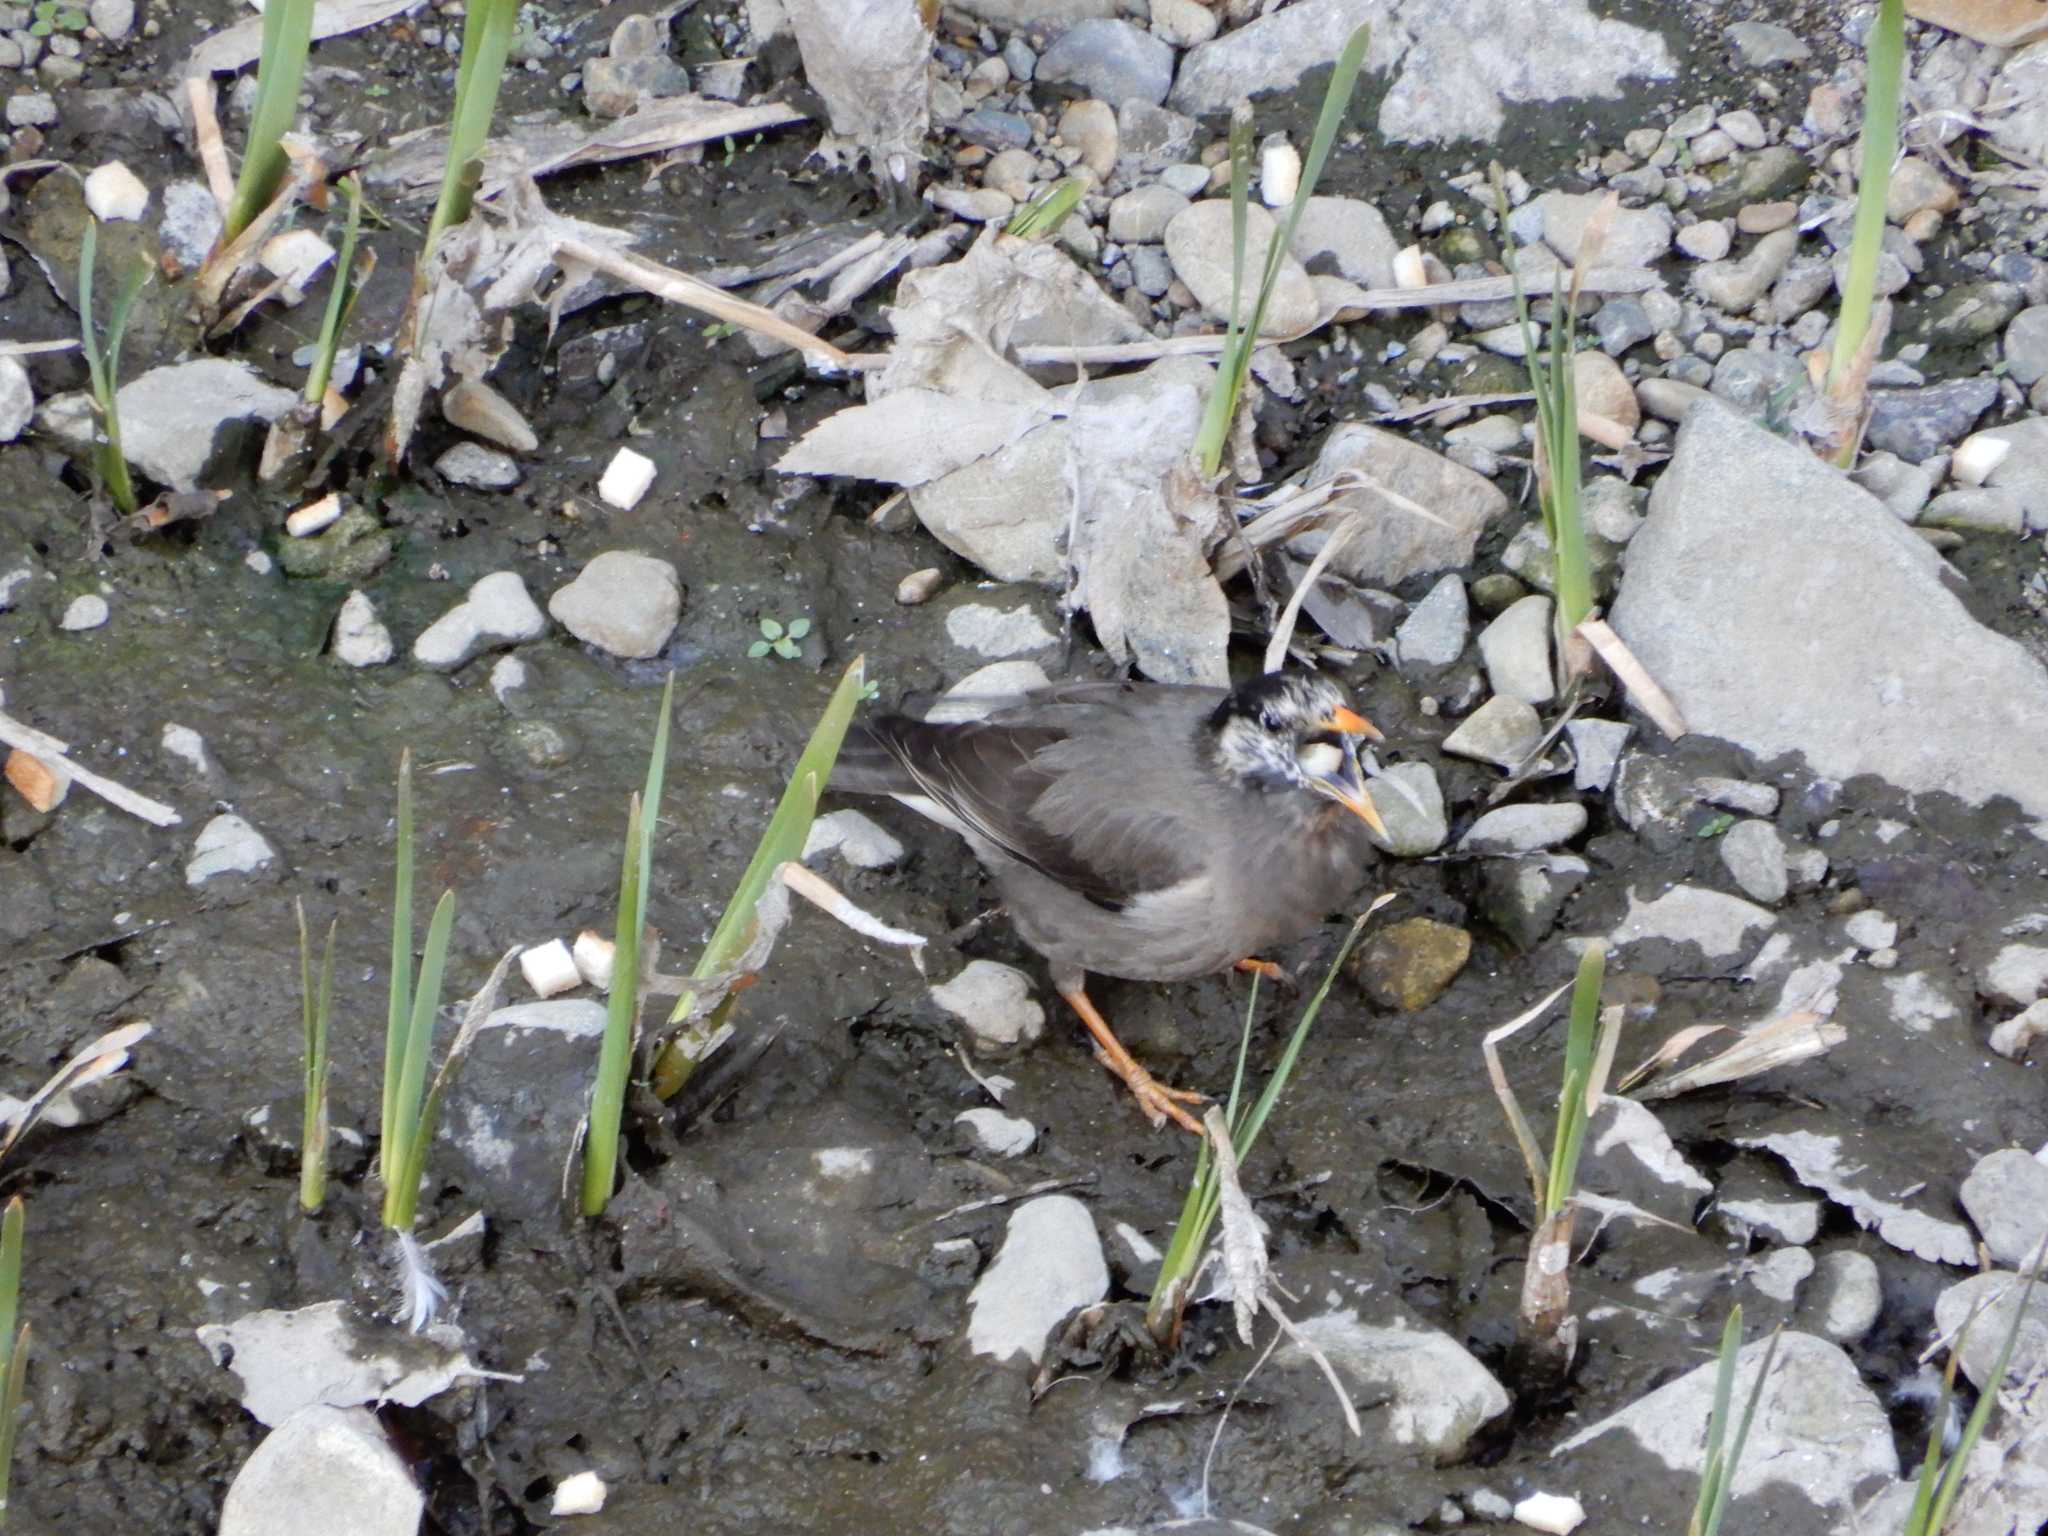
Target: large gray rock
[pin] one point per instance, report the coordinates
(1200, 245)
(324, 1472)
(622, 602)
(1110, 60)
(171, 415)
(512, 1112)
(1817, 1426)
(1458, 63)
(1787, 610)
(1393, 542)
(1050, 1264)
(1436, 1393)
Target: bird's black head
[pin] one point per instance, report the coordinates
(1295, 731)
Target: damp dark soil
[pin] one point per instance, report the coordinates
(732, 1351)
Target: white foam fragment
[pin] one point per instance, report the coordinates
(1557, 1513)
(626, 480)
(112, 191)
(592, 953)
(550, 969)
(580, 1493)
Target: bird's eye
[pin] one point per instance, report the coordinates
(1319, 760)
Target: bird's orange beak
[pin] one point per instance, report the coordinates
(1349, 791)
(1361, 806)
(1349, 722)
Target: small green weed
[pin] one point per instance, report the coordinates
(785, 640)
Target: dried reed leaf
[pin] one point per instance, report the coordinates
(1489, 1045)
(823, 895)
(1651, 699)
(1783, 1041)
(213, 150)
(93, 1062)
(1667, 1053)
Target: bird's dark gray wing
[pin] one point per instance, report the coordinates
(1088, 784)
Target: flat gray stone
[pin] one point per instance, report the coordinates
(1754, 856)
(1516, 649)
(1993, 1297)
(1199, 244)
(1636, 237)
(1437, 1393)
(1349, 234)
(1597, 746)
(322, 1472)
(993, 1003)
(497, 612)
(1764, 43)
(1842, 1300)
(1447, 85)
(1786, 610)
(170, 415)
(856, 838)
(227, 845)
(2006, 1195)
(2023, 472)
(1524, 828)
(1111, 60)
(1434, 633)
(1394, 544)
(17, 399)
(1502, 731)
(1817, 1426)
(1689, 914)
(360, 638)
(623, 602)
(1411, 803)
(1050, 1265)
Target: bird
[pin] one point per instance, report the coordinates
(1144, 831)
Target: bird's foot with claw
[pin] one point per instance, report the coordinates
(1269, 970)
(1158, 1102)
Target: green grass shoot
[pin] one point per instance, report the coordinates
(13, 1342)
(1045, 213)
(1886, 47)
(398, 1015)
(486, 45)
(1241, 335)
(1559, 474)
(782, 841)
(341, 297)
(409, 1026)
(1724, 1451)
(1204, 1197)
(103, 366)
(280, 69)
(1588, 1053)
(622, 1008)
(1941, 1478)
(318, 1009)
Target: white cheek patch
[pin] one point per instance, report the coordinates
(1319, 760)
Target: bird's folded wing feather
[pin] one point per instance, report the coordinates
(1101, 806)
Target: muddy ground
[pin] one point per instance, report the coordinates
(732, 1352)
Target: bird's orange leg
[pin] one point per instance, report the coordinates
(1271, 970)
(1159, 1102)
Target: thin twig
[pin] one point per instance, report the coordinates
(1043, 1187)
(16, 733)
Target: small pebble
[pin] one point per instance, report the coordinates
(86, 612)
(919, 586)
